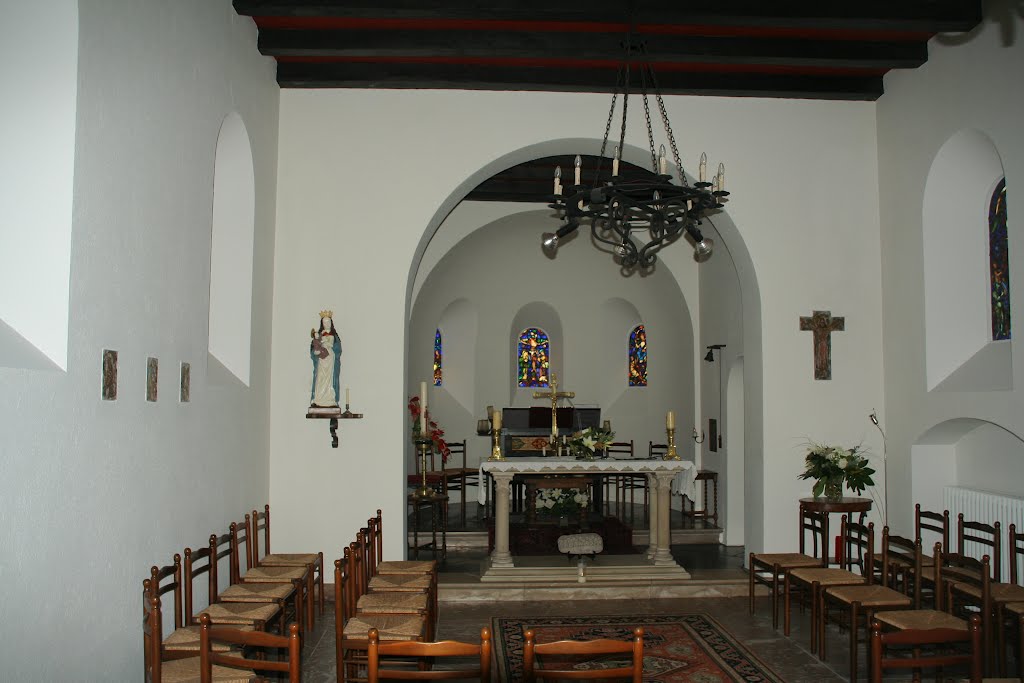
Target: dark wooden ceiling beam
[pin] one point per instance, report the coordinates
(900, 15)
(601, 46)
(484, 77)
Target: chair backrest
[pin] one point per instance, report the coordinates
(1015, 547)
(157, 575)
(957, 568)
(259, 521)
(914, 639)
(220, 547)
(989, 536)
(355, 555)
(577, 650)
(371, 546)
(936, 522)
(235, 658)
(817, 524)
(656, 450)
(456, 454)
(621, 448)
(479, 670)
(858, 546)
(901, 558)
(197, 563)
(152, 633)
(378, 540)
(239, 533)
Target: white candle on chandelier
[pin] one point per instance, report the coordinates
(721, 177)
(615, 162)
(578, 163)
(558, 180)
(702, 177)
(714, 185)
(662, 162)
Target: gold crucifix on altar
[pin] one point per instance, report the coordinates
(554, 395)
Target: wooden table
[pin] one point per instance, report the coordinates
(438, 504)
(845, 505)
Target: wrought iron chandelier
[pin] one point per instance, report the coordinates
(620, 210)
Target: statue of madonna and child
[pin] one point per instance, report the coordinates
(325, 352)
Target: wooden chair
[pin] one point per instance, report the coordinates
(457, 478)
(212, 652)
(251, 610)
(813, 580)
(768, 569)
(864, 601)
(1002, 595)
(398, 582)
(301, 577)
(377, 563)
(431, 652)
(564, 653)
(988, 536)
(156, 668)
(628, 484)
(1015, 611)
(656, 451)
(949, 568)
(386, 602)
(312, 561)
(915, 638)
(238, 603)
(351, 631)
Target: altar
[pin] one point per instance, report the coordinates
(663, 476)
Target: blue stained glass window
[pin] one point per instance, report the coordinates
(534, 358)
(438, 358)
(999, 263)
(638, 357)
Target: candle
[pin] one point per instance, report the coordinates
(423, 409)
(670, 420)
(577, 163)
(703, 167)
(348, 396)
(615, 161)
(496, 420)
(558, 180)
(714, 185)
(662, 162)
(721, 177)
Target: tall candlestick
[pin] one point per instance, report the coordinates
(423, 409)
(670, 420)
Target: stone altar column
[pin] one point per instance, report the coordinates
(652, 527)
(663, 555)
(501, 557)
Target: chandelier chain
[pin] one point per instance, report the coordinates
(668, 132)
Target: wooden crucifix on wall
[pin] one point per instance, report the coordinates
(822, 324)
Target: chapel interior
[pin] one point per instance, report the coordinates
(192, 185)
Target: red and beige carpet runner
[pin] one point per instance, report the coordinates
(688, 647)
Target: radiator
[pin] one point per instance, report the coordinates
(982, 506)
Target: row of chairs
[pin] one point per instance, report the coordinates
(892, 584)
(386, 619)
(229, 638)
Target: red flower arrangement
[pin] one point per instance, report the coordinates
(434, 433)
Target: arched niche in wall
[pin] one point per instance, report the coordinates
(960, 354)
(231, 253)
(967, 452)
(618, 318)
(37, 136)
(458, 325)
(541, 315)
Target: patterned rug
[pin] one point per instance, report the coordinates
(688, 647)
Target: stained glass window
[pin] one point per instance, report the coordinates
(437, 358)
(999, 263)
(638, 357)
(534, 358)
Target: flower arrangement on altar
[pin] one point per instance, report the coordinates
(434, 433)
(585, 443)
(561, 502)
(833, 466)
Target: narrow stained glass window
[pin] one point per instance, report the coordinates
(638, 357)
(533, 358)
(999, 263)
(438, 357)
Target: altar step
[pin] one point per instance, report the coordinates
(641, 538)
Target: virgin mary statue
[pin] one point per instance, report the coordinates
(325, 351)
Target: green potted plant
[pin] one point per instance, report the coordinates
(833, 466)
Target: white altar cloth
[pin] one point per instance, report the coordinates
(682, 483)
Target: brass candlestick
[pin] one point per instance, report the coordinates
(423, 491)
(496, 448)
(670, 452)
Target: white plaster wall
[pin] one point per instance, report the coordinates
(364, 173)
(916, 116)
(991, 459)
(93, 493)
(37, 136)
(499, 268)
